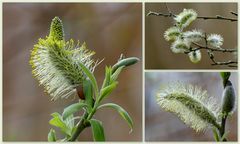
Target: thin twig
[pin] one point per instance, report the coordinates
(209, 49)
(213, 49)
(234, 13)
(210, 54)
(226, 63)
(160, 14)
(217, 17)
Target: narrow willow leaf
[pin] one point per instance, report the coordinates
(91, 77)
(116, 74)
(224, 136)
(215, 134)
(88, 93)
(108, 73)
(191, 104)
(58, 122)
(121, 111)
(107, 90)
(68, 111)
(125, 62)
(69, 121)
(52, 135)
(97, 130)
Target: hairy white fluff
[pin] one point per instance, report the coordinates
(193, 36)
(195, 56)
(215, 40)
(178, 97)
(185, 18)
(172, 33)
(180, 46)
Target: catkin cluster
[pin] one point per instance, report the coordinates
(183, 41)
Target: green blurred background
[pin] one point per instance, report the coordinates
(157, 50)
(108, 28)
(165, 126)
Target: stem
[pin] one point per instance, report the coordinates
(83, 123)
(230, 63)
(222, 129)
(213, 49)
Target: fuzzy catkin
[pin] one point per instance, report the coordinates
(55, 62)
(191, 104)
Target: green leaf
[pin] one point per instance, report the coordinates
(125, 62)
(121, 111)
(224, 136)
(69, 121)
(108, 73)
(107, 90)
(58, 122)
(91, 77)
(97, 130)
(88, 93)
(116, 74)
(225, 76)
(215, 134)
(52, 135)
(72, 109)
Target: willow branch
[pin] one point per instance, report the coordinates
(234, 13)
(229, 63)
(213, 49)
(217, 17)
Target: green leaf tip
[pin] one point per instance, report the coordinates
(125, 62)
(52, 135)
(190, 103)
(56, 29)
(225, 76)
(97, 130)
(123, 113)
(72, 109)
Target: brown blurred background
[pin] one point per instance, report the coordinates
(165, 126)
(108, 28)
(157, 50)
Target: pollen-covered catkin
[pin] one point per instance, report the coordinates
(191, 104)
(195, 56)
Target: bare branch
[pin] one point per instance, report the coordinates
(217, 17)
(213, 49)
(234, 13)
(210, 50)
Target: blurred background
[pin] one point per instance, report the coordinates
(165, 126)
(108, 28)
(157, 50)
